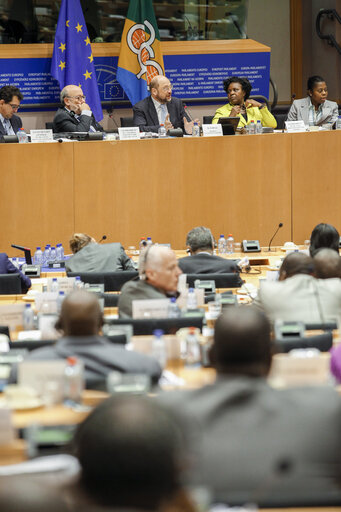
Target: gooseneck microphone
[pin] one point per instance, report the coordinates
(279, 226)
(188, 111)
(104, 237)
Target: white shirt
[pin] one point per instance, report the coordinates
(159, 110)
(6, 123)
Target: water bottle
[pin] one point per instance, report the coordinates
(162, 131)
(46, 256)
(338, 123)
(61, 252)
(54, 285)
(252, 128)
(158, 347)
(22, 136)
(58, 258)
(61, 297)
(221, 245)
(193, 357)
(191, 300)
(142, 243)
(28, 318)
(259, 127)
(38, 257)
(73, 381)
(149, 241)
(78, 283)
(173, 309)
(195, 130)
(53, 255)
(230, 244)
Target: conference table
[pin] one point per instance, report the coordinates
(243, 184)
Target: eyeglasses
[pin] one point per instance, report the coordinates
(14, 107)
(78, 98)
(167, 88)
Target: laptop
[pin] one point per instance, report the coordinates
(229, 124)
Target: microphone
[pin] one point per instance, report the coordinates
(27, 251)
(279, 226)
(235, 22)
(110, 112)
(188, 111)
(104, 237)
(190, 26)
(293, 96)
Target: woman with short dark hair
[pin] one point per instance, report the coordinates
(324, 236)
(238, 91)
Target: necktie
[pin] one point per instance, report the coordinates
(7, 125)
(164, 113)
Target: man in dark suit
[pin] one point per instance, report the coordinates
(200, 243)
(75, 115)
(10, 98)
(7, 267)
(160, 108)
(258, 443)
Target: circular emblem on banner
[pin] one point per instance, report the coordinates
(143, 48)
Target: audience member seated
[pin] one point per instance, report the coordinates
(80, 323)
(327, 264)
(75, 115)
(158, 278)
(315, 109)
(7, 267)
(238, 91)
(161, 108)
(324, 235)
(256, 440)
(89, 256)
(132, 453)
(10, 98)
(200, 244)
(298, 295)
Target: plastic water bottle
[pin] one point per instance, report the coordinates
(28, 318)
(162, 131)
(195, 130)
(230, 244)
(252, 128)
(149, 241)
(54, 285)
(193, 357)
(73, 381)
(46, 256)
(191, 300)
(61, 297)
(61, 252)
(222, 245)
(78, 283)
(158, 348)
(142, 243)
(53, 255)
(173, 309)
(58, 258)
(338, 123)
(259, 127)
(38, 257)
(22, 136)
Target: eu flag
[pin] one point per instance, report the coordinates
(72, 60)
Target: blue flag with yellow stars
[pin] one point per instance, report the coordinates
(72, 60)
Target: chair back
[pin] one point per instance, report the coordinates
(127, 122)
(145, 326)
(228, 280)
(113, 281)
(207, 119)
(10, 284)
(322, 342)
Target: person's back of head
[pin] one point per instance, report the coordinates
(200, 239)
(131, 451)
(79, 240)
(80, 314)
(327, 264)
(242, 343)
(296, 263)
(324, 235)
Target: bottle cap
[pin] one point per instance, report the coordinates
(38, 248)
(158, 333)
(54, 279)
(72, 360)
(27, 305)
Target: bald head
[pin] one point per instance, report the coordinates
(80, 314)
(296, 263)
(242, 342)
(327, 264)
(158, 266)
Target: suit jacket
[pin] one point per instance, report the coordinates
(7, 267)
(204, 263)
(99, 258)
(145, 115)
(299, 110)
(244, 431)
(300, 298)
(15, 122)
(65, 121)
(136, 290)
(99, 356)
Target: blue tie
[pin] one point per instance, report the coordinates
(164, 113)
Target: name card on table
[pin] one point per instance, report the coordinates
(41, 136)
(153, 308)
(295, 126)
(129, 133)
(212, 130)
(38, 374)
(11, 315)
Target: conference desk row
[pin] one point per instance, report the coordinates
(243, 185)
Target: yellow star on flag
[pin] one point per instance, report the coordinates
(67, 23)
(62, 47)
(61, 65)
(79, 27)
(87, 41)
(87, 74)
(91, 58)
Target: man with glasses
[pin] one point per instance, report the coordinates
(75, 114)
(10, 98)
(161, 108)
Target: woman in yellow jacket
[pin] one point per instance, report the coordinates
(238, 92)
